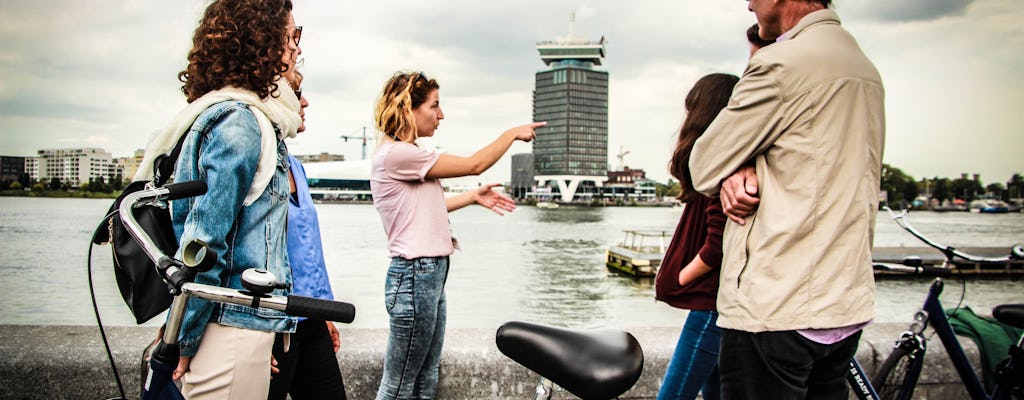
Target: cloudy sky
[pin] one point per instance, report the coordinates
(103, 73)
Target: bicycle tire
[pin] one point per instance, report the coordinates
(897, 377)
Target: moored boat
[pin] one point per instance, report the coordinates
(639, 254)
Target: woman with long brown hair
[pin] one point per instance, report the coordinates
(688, 277)
(240, 109)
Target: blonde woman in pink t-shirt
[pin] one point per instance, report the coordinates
(407, 193)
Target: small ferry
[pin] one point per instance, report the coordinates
(639, 254)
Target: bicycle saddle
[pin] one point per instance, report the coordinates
(589, 364)
(1010, 314)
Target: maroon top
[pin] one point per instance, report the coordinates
(699, 232)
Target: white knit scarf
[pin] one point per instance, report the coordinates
(281, 111)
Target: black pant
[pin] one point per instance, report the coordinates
(309, 370)
(783, 365)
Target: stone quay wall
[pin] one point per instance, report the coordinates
(69, 362)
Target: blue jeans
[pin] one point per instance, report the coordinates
(414, 298)
(694, 365)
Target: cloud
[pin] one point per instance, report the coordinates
(903, 10)
(72, 72)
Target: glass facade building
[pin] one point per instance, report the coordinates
(571, 95)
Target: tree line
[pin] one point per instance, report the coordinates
(108, 185)
(902, 189)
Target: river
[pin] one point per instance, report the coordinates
(540, 265)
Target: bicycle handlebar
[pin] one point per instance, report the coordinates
(164, 193)
(951, 253)
(301, 306)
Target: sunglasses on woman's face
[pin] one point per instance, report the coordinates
(297, 35)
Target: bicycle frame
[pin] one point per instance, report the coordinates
(935, 315)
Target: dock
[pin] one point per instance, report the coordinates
(931, 257)
(640, 253)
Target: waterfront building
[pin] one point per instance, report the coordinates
(32, 168)
(571, 95)
(322, 157)
(76, 166)
(129, 165)
(629, 185)
(11, 168)
(522, 175)
(339, 181)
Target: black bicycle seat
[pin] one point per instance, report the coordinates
(1010, 314)
(589, 364)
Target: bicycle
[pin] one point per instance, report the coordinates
(897, 377)
(596, 364)
(179, 276)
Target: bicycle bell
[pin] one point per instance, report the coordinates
(261, 281)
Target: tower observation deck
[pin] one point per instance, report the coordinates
(571, 95)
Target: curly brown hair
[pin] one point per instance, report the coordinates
(238, 43)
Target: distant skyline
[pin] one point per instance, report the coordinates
(103, 73)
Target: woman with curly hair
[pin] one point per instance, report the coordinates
(240, 109)
(407, 192)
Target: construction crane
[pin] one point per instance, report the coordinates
(364, 138)
(622, 156)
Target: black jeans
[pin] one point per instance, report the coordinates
(309, 370)
(783, 365)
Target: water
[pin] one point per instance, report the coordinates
(534, 264)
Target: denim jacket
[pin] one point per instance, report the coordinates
(223, 149)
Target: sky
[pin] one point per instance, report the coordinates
(103, 73)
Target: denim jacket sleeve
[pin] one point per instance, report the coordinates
(225, 154)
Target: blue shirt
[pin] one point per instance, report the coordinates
(305, 249)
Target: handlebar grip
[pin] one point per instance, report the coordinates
(934, 271)
(185, 189)
(320, 309)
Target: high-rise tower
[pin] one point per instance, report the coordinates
(571, 94)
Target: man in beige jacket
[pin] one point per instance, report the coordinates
(796, 280)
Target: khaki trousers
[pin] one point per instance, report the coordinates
(231, 363)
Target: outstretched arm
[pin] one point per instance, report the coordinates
(449, 166)
(484, 196)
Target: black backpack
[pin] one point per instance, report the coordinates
(141, 286)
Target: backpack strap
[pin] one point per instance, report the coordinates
(163, 166)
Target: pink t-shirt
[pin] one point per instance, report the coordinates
(411, 207)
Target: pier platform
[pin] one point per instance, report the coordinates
(931, 257)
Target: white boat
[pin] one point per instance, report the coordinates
(547, 204)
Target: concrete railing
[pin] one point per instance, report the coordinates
(69, 362)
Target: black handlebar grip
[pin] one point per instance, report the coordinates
(320, 309)
(935, 271)
(185, 189)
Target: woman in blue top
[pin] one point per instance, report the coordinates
(308, 367)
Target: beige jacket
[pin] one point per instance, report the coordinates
(809, 111)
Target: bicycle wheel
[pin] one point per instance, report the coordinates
(896, 378)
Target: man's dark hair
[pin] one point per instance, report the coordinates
(755, 39)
